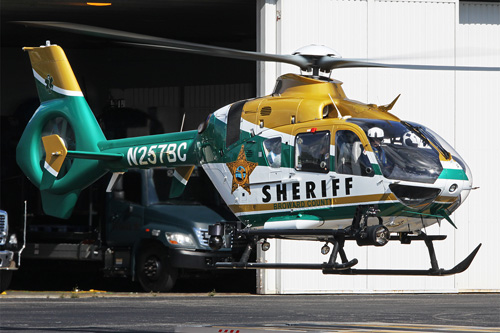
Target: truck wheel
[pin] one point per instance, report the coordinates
(154, 271)
(5, 278)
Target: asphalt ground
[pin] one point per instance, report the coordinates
(98, 311)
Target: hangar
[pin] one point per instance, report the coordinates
(461, 107)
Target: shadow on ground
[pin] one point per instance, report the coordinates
(70, 276)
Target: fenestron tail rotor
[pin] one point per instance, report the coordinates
(313, 58)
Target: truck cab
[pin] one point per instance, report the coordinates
(159, 236)
(135, 232)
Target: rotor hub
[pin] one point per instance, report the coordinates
(317, 51)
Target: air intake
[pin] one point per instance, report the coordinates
(265, 111)
(415, 196)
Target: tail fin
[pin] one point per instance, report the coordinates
(53, 74)
(65, 112)
(180, 180)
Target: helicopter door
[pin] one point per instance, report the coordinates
(350, 155)
(312, 151)
(272, 148)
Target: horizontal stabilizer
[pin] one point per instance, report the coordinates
(55, 153)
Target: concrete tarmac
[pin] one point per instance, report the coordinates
(96, 311)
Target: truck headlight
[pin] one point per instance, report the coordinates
(179, 239)
(13, 239)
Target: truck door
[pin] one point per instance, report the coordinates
(125, 210)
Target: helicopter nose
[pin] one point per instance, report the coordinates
(467, 185)
(460, 190)
(466, 190)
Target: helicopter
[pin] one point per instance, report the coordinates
(303, 163)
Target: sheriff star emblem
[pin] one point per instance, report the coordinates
(241, 170)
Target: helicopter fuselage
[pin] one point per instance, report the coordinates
(302, 159)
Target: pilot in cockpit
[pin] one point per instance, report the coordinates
(376, 137)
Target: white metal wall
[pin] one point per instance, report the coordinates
(478, 113)
(461, 107)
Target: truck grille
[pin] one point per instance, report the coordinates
(202, 235)
(4, 227)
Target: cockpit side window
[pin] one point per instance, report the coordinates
(312, 151)
(272, 149)
(350, 156)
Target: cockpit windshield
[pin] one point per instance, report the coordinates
(402, 151)
(443, 145)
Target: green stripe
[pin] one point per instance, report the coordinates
(453, 174)
(341, 213)
(376, 169)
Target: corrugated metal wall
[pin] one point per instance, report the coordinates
(461, 107)
(477, 116)
(170, 104)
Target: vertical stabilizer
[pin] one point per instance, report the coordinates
(65, 122)
(52, 71)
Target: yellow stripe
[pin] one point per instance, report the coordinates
(313, 203)
(446, 199)
(185, 172)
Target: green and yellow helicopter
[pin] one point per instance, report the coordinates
(305, 162)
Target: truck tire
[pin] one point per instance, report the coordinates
(154, 272)
(5, 278)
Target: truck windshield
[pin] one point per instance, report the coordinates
(402, 152)
(199, 190)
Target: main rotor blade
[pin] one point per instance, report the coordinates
(169, 44)
(328, 64)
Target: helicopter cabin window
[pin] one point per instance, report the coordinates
(350, 155)
(272, 149)
(312, 151)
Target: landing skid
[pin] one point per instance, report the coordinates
(338, 238)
